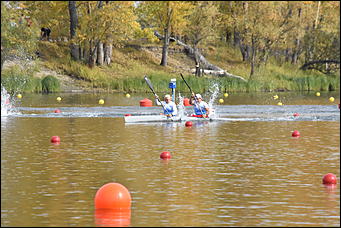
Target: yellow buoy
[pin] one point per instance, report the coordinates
(275, 97)
(226, 94)
(59, 98)
(19, 96)
(221, 101)
(279, 103)
(331, 99)
(318, 94)
(101, 101)
(127, 95)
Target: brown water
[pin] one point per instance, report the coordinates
(230, 173)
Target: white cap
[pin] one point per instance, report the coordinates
(167, 96)
(198, 96)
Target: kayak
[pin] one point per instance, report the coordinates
(163, 118)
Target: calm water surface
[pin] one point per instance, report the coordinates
(246, 171)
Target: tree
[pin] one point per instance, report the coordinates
(103, 25)
(168, 17)
(73, 26)
(18, 35)
(201, 26)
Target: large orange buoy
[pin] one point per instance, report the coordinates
(57, 111)
(186, 102)
(113, 196)
(329, 178)
(55, 139)
(112, 217)
(146, 103)
(165, 155)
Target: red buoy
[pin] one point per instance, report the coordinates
(188, 124)
(186, 102)
(55, 139)
(329, 178)
(127, 114)
(57, 111)
(165, 155)
(146, 103)
(296, 114)
(113, 196)
(296, 134)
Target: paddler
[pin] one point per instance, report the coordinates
(201, 108)
(170, 108)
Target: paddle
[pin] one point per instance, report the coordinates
(149, 83)
(195, 96)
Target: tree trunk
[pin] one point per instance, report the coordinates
(165, 48)
(107, 52)
(294, 57)
(253, 56)
(100, 54)
(74, 48)
(92, 54)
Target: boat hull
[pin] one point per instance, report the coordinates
(162, 118)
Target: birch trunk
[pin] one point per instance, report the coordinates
(107, 52)
(100, 54)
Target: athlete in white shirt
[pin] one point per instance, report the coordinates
(201, 108)
(169, 106)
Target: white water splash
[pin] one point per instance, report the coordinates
(6, 104)
(213, 97)
(181, 107)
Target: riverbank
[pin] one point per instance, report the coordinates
(131, 63)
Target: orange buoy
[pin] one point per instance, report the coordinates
(165, 155)
(146, 103)
(186, 102)
(112, 217)
(55, 139)
(113, 196)
(57, 111)
(188, 124)
(296, 134)
(329, 178)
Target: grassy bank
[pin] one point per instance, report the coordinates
(129, 65)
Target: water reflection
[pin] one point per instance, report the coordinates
(112, 218)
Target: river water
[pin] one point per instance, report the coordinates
(245, 171)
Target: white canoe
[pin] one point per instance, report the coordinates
(162, 118)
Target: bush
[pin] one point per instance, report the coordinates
(16, 80)
(50, 84)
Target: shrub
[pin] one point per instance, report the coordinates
(50, 84)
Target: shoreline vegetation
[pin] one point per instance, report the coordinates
(109, 46)
(130, 64)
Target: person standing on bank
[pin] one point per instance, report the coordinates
(170, 108)
(201, 108)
